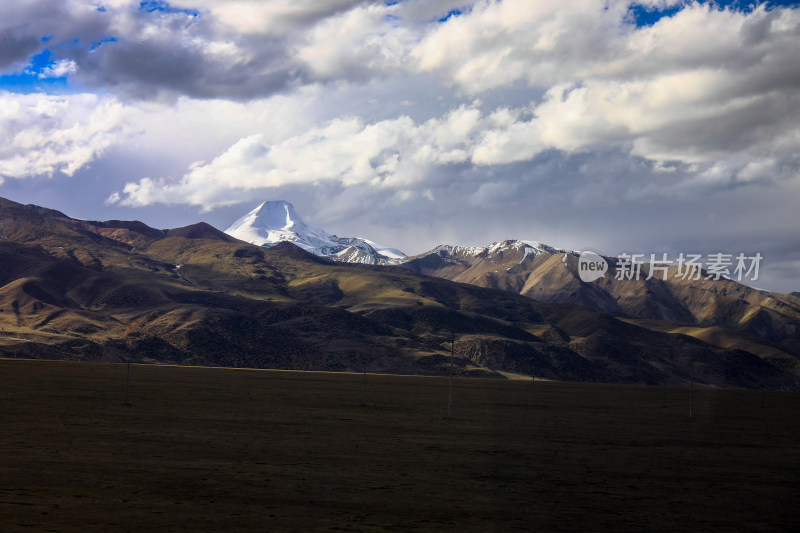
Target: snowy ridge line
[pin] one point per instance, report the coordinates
(274, 222)
(526, 247)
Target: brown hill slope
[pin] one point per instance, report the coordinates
(550, 275)
(70, 292)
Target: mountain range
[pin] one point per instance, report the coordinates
(123, 291)
(722, 311)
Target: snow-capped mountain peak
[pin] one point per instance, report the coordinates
(279, 214)
(277, 221)
(274, 222)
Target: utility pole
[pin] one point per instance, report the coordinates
(691, 384)
(533, 388)
(452, 356)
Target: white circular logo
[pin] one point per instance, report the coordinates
(591, 266)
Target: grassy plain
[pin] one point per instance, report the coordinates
(205, 449)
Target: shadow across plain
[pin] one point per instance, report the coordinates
(225, 449)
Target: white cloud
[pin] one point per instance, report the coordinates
(61, 68)
(542, 43)
(357, 44)
(394, 153)
(43, 135)
(668, 92)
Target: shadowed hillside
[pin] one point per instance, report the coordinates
(121, 291)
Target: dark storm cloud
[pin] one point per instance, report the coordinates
(160, 67)
(16, 47)
(30, 26)
(151, 53)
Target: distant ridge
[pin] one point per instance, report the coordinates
(200, 230)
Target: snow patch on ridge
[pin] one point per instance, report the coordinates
(525, 247)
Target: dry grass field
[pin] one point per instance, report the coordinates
(202, 449)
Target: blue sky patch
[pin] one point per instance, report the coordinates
(158, 6)
(100, 43)
(452, 13)
(31, 79)
(644, 16)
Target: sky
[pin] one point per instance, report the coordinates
(657, 126)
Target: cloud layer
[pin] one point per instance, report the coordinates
(720, 109)
(419, 109)
(43, 135)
